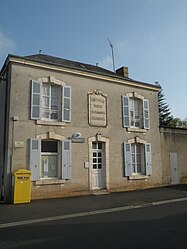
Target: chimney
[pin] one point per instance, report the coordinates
(123, 71)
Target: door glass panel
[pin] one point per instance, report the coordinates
(94, 146)
(99, 154)
(99, 166)
(94, 166)
(100, 146)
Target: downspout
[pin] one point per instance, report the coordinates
(2, 171)
(4, 176)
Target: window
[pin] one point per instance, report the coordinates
(50, 159)
(135, 112)
(137, 159)
(50, 102)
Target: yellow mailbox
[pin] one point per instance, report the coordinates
(21, 186)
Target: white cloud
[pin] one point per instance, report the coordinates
(6, 45)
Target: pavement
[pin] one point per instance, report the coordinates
(70, 207)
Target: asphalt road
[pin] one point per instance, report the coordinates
(151, 227)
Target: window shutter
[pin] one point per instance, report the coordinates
(146, 113)
(126, 111)
(66, 104)
(34, 162)
(148, 159)
(66, 159)
(35, 99)
(127, 159)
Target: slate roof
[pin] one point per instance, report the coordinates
(52, 60)
(68, 63)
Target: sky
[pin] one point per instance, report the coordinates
(148, 36)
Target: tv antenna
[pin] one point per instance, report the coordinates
(112, 49)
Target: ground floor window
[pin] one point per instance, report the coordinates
(50, 159)
(137, 159)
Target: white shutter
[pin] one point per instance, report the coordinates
(126, 111)
(34, 158)
(148, 159)
(35, 99)
(146, 113)
(127, 159)
(66, 104)
(66, 159)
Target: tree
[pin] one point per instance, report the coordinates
(165, 116)
(177, 122)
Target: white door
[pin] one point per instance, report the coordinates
(174, 168)
(98, 166)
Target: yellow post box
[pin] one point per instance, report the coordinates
(21, 186)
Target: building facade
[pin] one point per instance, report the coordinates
(173, 155)
(78, 128)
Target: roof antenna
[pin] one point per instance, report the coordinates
(112, 54)
(40, 51)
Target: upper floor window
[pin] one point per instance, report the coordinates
(50, 101)
(135, 111)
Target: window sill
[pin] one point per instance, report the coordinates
(48, 122)
(49, 182)
(138, 177)
(136, 130)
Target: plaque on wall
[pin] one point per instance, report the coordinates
(97, 103)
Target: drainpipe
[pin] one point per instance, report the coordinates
(2, 170)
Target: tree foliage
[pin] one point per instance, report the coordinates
(177, 122)
(165, 116)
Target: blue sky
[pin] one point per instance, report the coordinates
(149, 36)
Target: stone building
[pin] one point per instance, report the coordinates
(78, 128)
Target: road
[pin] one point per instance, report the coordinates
(150, 227)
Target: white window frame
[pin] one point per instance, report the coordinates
(135, 162)
(64, 101)
(129, 112)
(130, 166)
(136, 111)
(57, 166)
(63, 159)
(50, 110)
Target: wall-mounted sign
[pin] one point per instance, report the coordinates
(18, 144)
(97, 103)
(77, 140)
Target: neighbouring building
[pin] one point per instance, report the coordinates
(173, 155)
(78, 128)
